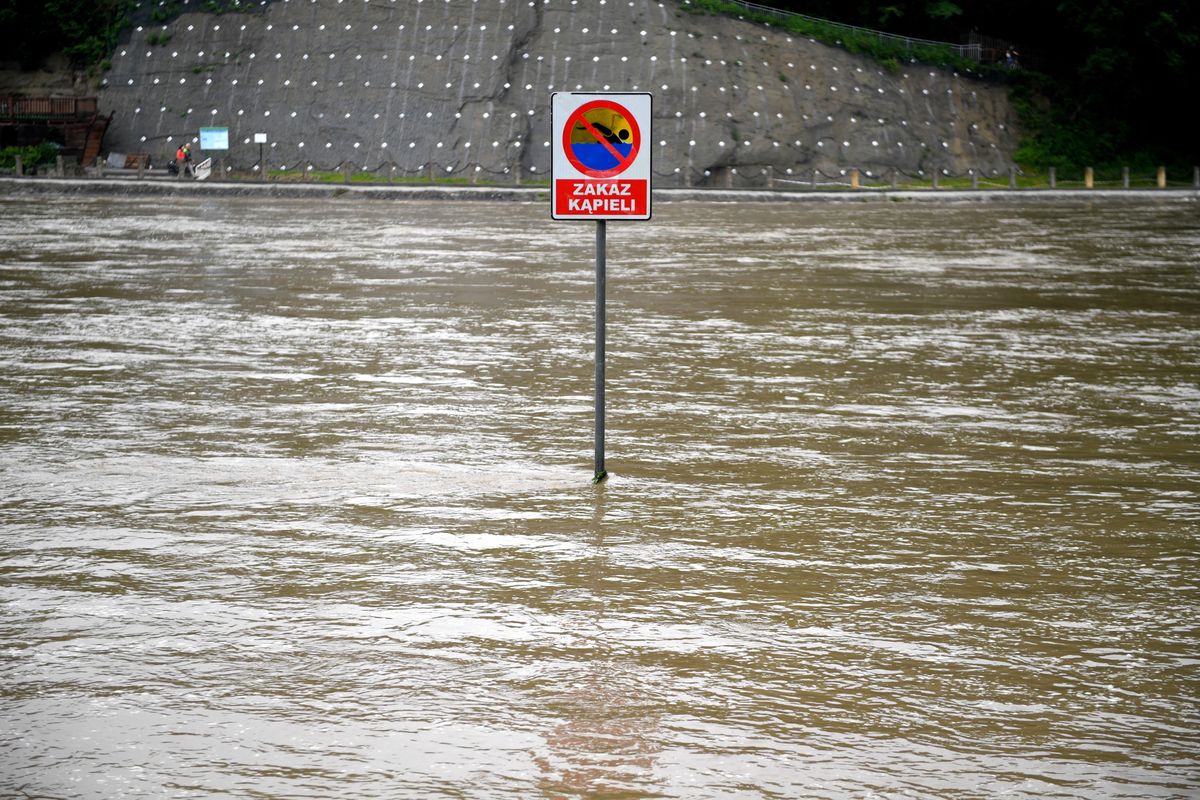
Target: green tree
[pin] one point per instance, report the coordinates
(1101, 80)
(85, 30)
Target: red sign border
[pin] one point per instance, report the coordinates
(647, 156)
(611, 105)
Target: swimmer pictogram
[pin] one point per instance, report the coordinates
(601, 139)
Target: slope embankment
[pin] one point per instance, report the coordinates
(464, 87)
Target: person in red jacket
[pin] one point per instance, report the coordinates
(183, 160)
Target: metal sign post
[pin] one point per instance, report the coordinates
(601, 473)
(600, 170)
(261, 140)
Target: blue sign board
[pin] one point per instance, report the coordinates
(214, 138)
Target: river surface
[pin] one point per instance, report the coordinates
(295, 501)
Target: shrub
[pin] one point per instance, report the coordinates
(31, 156)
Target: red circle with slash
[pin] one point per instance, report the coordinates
(623, 160)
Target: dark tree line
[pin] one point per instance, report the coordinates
(85, 30)
(1105, 80)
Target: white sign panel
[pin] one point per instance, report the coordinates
(601, 155)
(203, 169)
(214, 138)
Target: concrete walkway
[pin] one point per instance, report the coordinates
(411, 191)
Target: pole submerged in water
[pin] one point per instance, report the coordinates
(601, 474)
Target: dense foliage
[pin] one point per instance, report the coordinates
(889, 52)
(31, 156)
(85, 30)
(1101, 81)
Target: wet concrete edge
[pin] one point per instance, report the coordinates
(158, 187)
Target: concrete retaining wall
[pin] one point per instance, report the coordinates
(466, 84)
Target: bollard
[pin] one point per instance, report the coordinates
(854, 180)
(1162, 177)
(431, 176)
(59, 167)
(1196, 177)
(729, 177)
(346, 173)
(20, 164)
(895, 172)
(475, 175)
(1053, 179)
(99, 167)
(1012, 177)
(770, 177)
(935, 179)
(1089, 178)
(687, 178)
(517, 175)
(304, 168)
(814, 179)
(1124, 177)
(974, 179)
(141, 168)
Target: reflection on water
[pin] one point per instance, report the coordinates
(295, 501)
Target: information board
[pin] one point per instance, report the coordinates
(214, 138)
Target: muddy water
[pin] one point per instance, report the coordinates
(295, 502)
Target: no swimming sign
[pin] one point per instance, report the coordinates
(601, 158)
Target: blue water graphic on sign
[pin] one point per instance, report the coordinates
(595, 155)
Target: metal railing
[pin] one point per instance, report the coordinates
(15, 107)
(972, 51)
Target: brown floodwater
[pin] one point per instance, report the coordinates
(295, 501)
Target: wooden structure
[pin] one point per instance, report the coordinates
(74, 122)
